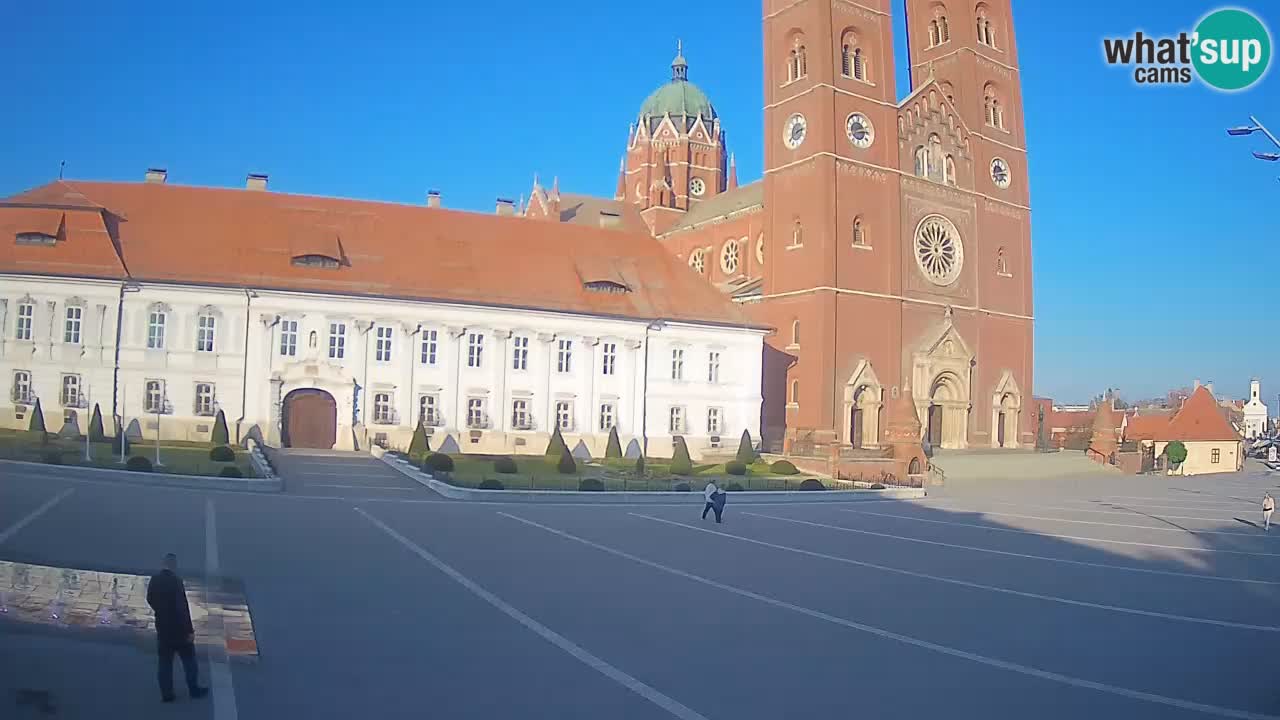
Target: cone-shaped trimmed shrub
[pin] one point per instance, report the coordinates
(421, 444)
(746, 451)
(37, 420)
(614, 448)
(640, 466)
(566, 466)
(557, 446)
(220, 435)
(96, 434)
(681, 464)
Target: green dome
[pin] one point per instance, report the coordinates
(678, 98)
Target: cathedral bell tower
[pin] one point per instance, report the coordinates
(675, 151)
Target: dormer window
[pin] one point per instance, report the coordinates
(316, 261)
(35, 238)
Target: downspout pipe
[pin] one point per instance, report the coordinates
(244, 380)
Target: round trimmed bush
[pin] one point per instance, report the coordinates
(137, 463)
(591, 485)
(812, 484)
(877, 486)
(493, 483)
(504, 465)
(682, 487)
(222, 453)
(53, 457)
(231, 471)
(733, 467)
(733, 487)
(783, 467)
(438, 462)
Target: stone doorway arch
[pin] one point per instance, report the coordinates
(942, 371)
(309, 419)
(1006, 413)
(947, 416)
(863, 402)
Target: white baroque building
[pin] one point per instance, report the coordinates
(1255, 412)
(316, 322)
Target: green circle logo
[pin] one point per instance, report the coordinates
(1232, 49)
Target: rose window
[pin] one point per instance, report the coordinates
(939, 252)
(729, 258)
(697, 261)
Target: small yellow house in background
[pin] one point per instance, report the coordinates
(1213, 445)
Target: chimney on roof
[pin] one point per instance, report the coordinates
(610, 219)
(256, 181)
(157, 176)
(433, 198)
(1197, 387)
(506, 206)
(1209, 386)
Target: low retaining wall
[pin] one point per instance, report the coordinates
(693, 498)
(198, 482)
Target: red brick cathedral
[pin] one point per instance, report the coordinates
(889, 242)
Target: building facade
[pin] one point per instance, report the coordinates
(889, 241)
(313, 322)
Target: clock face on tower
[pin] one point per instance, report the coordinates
(794, 131)
(861, 133)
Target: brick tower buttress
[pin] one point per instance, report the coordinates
(969, 48)
(830, 149)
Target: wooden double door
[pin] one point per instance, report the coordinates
(310, 420)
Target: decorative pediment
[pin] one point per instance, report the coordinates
(945, 342)
(863, 375)
(1007, 385)
(927, 112)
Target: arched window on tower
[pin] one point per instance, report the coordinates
(795, 392)
(802, 62)
(859, 233)
(994, 111)
(922, 161)
(1002, 265)
(793, 66)
(797, 234)
(985, 34)
(949, 170)
(943, 31)
(795, 333)
(846, 60)
(934, 36)
(935, 150)
(859, 65)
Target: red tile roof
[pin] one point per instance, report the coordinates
(244, 238)
(1200, 420)
(1146, 427)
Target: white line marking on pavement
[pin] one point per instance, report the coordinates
(1223, 501)
(654, 696)
(906, 639)
(974, 585)
(1119, 525)
(364, 487)
(1060, 537)
(1127, 513)
(31, 516)
(221, 688)
(1082, 563)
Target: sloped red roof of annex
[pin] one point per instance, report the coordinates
(1200, 420)
(246, 238)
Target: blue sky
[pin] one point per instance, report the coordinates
(1155, 249)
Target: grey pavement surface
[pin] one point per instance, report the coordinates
(1063, 597)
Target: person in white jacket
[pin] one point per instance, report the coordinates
(1268, 507)
(709, 494)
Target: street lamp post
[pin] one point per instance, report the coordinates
(644, 391)
(1257, 126)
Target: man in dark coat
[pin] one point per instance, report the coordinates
(174, 633)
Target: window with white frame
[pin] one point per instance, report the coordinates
(430, 345)
(206, 399)
(564, 415)
(70, 391)
(155, 329)
(429, 410)
(715, 421)
(477, 418)
(289, 338)
(1215, 456)
(609, 359)
(564, 356)
(337, 340)
(26, 314)
(153, 397)
(520, 353)
(382, 413)
(520, 419)
(677, 364)
(382, 343)
(608, 416)
(475, 350)
(206, 327)
(675, 420)
(71, 330)
(21, 386)
(713, 366)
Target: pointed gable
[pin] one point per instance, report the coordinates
(1200, 420)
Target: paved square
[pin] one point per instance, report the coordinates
(1146, 597)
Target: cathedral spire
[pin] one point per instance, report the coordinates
(621, 193)
(679, 67)
(733, 173)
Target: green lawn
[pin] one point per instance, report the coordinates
(536, 472)
(177, 458)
